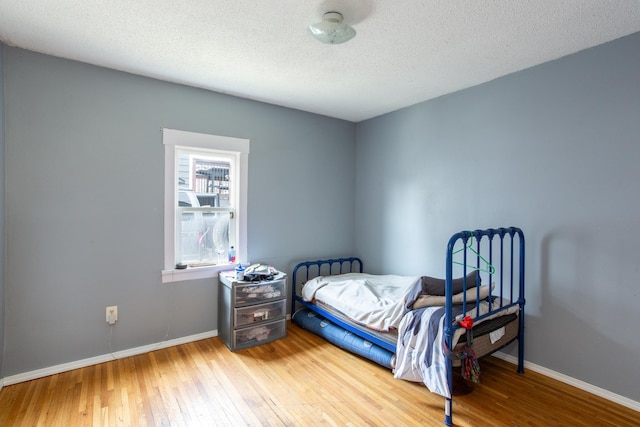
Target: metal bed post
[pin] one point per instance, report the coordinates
(448, 321)
(521, 302)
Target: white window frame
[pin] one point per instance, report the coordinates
(237, 147)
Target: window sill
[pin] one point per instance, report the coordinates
(193, 273)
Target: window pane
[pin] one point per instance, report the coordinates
(204, 236)
(206, 175)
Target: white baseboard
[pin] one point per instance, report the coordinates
(39, 373)
(605, 394)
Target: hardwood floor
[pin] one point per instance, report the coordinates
(297, 381)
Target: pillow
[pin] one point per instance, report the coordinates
(433, 286)
(435, 300)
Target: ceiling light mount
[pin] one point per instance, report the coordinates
(332, 29)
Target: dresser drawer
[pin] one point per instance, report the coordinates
(260, 313)
(253, 293)
(259, 334)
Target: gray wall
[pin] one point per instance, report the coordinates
(554, 150)
(84, 197)
(2, 251)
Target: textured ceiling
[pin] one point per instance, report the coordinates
(405, 52)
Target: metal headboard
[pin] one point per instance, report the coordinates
(307, 270)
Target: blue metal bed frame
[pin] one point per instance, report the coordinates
(354, 264)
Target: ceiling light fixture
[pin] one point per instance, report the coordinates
(332, 30)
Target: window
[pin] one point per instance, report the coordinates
(205, 203)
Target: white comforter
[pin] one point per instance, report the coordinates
(375, 301)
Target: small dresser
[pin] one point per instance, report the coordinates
(251, 313)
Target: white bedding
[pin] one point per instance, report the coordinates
(375, 301)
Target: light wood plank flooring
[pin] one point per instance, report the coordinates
(297, 381)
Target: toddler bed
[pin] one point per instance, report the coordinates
(420, 327)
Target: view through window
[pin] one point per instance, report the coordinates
(205, 213)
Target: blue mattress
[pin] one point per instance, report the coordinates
(335, 334)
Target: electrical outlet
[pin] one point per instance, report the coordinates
(112, 314)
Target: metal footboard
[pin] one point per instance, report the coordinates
(498, 254)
